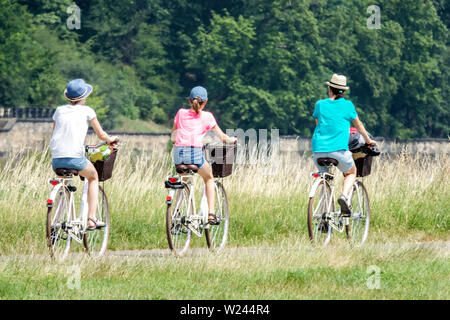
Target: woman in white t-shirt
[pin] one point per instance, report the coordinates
(70, 127)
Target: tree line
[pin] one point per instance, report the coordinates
(264, 62)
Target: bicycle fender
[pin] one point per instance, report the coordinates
(52, 196)
(170, 196)
(314, 187)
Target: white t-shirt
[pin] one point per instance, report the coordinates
(71, 125)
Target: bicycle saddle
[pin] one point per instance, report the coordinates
(182, 168)
(327, 162)
(66, 172)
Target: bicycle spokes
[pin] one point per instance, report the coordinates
(320, 208)
(358, 228)
(177, 217)
(96, 240)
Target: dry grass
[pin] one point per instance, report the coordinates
(409, 201)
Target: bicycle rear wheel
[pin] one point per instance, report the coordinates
(358, 228)
(178, 234)
(59, 217)
(318, 227)
(96, 241)
(217, 235)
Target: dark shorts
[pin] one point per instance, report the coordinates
(188, 155)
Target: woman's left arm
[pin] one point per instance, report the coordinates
(222, 136)
(101, 134)
(360, 127)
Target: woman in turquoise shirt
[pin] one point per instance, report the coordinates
(330, 140)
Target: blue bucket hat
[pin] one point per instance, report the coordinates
(199, 92)
(77, 90)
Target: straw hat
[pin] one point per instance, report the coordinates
(338, 81)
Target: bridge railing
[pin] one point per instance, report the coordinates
(26, 112)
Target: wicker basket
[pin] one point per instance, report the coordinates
(105, 167)
(222, 159)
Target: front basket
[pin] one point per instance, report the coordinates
(105, 167)
(222, 159)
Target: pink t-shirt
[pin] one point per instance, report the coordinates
(192, 127)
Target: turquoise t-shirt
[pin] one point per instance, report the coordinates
(333, 129)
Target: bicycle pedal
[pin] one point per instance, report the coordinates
(175, 232)
(323, 227)
(206, 225)
(185, 221)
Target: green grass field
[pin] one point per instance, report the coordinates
(410, 203)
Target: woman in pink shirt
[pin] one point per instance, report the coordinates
(190, 126)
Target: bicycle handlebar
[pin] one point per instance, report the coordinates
(371, 150)
(88, 147)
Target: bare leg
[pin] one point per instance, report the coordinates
(91, 174)
(206, 173)
(349, 180)
(350, 177)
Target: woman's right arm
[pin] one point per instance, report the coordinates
(102, 135)
(173, 134)
(360, 127)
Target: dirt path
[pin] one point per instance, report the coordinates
(443, 246)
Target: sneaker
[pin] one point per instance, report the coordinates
(346, 208)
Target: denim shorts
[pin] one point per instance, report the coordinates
(188, 155)
(344, 157)
(69, 163)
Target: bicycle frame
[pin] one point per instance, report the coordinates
(334, 217)
(199, 220)
(77, 227)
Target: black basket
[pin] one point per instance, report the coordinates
(105, 167)
(363, 166)
(221, 159)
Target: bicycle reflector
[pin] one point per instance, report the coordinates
(173, 180)
(54, 182)
(316, 175)
(168, 198)
(49, 202)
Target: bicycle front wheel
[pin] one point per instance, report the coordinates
(178, 234)
(217, 235)
(318, 224)
(358, 228)
(59, 217)
(96, 241)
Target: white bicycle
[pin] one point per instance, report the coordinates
(63, 222)
(182, 217)
(323, 217)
